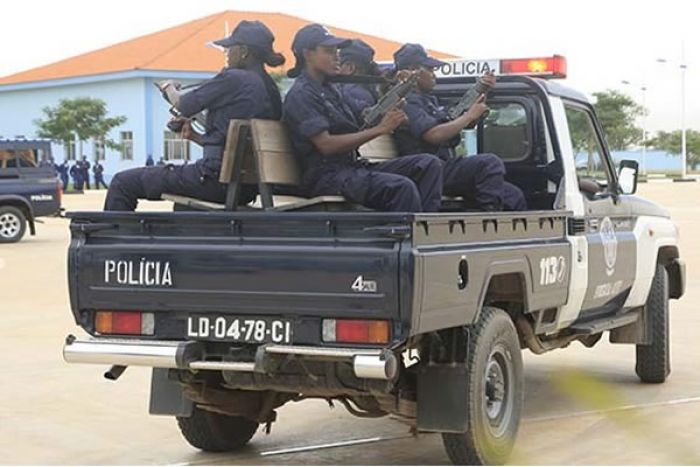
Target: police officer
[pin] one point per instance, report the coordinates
(479, 179)
(98, 173)
(325, 135)
(62, 170)
(84, 166)
(242, 90)
(358, 59)
(77, 175)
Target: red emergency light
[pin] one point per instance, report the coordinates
(545, 67)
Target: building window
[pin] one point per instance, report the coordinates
(98, 149)
(127, 145)
(69, 149)
(175, 148)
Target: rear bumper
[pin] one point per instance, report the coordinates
(189, 355)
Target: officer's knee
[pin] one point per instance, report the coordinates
(490, 163)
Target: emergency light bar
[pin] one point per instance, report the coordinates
(541, 67)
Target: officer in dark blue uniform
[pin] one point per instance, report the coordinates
(325, 135)
(358, 59)
(98, 172)
(77, 176)
(84, 166)
(62, 170)
(242, 90)
(479, 179)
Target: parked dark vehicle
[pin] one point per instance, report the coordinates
(27, 190)
(421, 316)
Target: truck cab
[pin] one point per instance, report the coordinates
(419, 315)
(29, 187)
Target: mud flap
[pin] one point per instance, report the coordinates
(442, 398)
(167, 397)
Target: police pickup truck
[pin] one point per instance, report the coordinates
(27, 191)
(419, 316)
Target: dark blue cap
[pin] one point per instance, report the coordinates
(313, 35)
(358, 51)
(310, 37)
(410, 55)
(252, 33)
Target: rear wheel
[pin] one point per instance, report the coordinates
(215, 432)
(13, 224)
(654, 359)
(494, 395)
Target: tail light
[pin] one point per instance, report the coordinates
(132, 323)
(356, 331)
(59, 192)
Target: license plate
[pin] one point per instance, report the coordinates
(236, 329)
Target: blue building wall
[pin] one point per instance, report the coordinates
(131, 94)
(661, 161)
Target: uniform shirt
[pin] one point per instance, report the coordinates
(231, 94)
(424, 112)
(311, 108)
(358, 97)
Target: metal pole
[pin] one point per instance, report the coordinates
(644, 131)
(683, 146)
(683, 142)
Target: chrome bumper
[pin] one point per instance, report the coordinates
(366, 363)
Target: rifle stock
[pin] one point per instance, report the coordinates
(198, 120)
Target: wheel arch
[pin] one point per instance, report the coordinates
(23, 205)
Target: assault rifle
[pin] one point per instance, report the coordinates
(172, 92)
(469, 98)
(372, 115)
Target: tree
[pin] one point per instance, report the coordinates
(617, 113)
(671, 143)
(82, 117)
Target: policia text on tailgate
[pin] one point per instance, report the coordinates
(419, 315)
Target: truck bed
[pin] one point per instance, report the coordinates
(305, 266)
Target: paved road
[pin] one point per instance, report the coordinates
(582, 406)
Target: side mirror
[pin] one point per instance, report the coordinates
(627, 177)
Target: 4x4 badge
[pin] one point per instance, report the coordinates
(361, 285)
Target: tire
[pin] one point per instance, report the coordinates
(13, 224)
(214, 432)
(493, 416)
(654, 359)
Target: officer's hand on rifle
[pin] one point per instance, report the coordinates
(188, 132)
(392, 120)
(404, 75)
(489, 79)
(475, 111)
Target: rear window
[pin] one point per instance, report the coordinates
(505, 133)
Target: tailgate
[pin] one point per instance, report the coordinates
(243, 264)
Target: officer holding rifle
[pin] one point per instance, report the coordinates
(243, 90)
(478, 179)
(325, 135)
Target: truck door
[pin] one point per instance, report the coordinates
(608, 220)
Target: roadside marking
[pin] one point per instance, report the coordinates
(316, 447)
(338, 444)
(687, 400)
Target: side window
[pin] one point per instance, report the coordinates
(127, 145)
(505, 133)
(591, 168)
(175, 148)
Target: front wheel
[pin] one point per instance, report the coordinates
(654, 359)
(494, 393)
(13, 224)
(215, 432)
